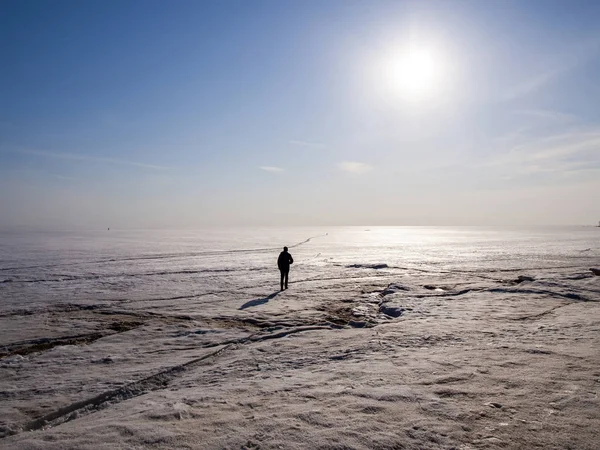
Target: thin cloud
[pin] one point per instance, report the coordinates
(354, 167)
(308, 144)
(531, 85)
(568, 144)
(535, 120)
(271, 169)
(87, 158)
(546, 115)
(574, 151)
(569, 59)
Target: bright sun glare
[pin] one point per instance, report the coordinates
(413, 73)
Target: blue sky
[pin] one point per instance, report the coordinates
(143, 114)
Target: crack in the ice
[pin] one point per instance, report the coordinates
(66, 278)
(375, 275)
(307, 240)
(44, 344)
(569, 295)
(163, 256)
(450, 294)
(543, 313)
(518, 269)
(63, 307)
(177, 297)
(153, 382)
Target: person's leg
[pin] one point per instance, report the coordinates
(281, 281)
(287, 272)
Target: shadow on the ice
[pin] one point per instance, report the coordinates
(259, 301)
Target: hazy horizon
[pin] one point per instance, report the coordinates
(261, 229)
(145, 114)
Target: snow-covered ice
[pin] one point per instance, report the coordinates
(387, 338)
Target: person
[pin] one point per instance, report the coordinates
(283, 262)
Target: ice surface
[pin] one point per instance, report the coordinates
(387, 338)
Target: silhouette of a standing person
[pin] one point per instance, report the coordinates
(283, 262)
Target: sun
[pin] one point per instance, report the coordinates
(413, 73)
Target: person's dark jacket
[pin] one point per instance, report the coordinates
(284, 261)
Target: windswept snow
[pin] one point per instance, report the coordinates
(392, 338)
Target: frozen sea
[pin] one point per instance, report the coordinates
(38, 269)
(182, 339)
